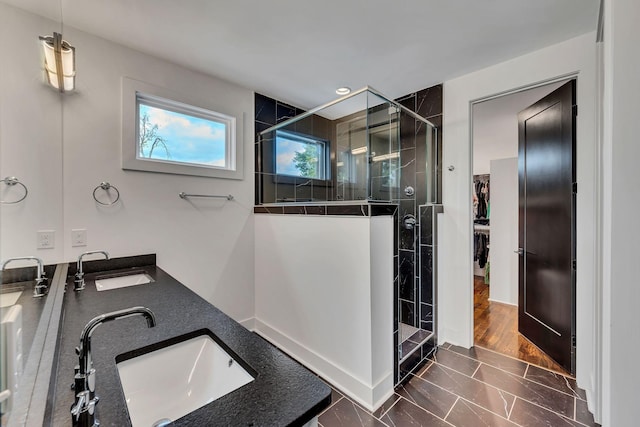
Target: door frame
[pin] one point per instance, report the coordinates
(472, 103)
(455, 299)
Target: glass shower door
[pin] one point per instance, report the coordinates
(384, 157)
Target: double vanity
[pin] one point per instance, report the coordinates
(136, 347)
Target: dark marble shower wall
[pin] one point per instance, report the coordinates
(414, 173)
(428, 264)
(270, 187)
(416, 251)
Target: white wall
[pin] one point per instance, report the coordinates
(495, 125)
(381, 267)
(504, 231)
(455, 318)
(30, 139)
(324, 295)
(621, 293)
(206, 244)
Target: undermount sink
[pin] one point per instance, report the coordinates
(106, 283)
(9, 298)
(168, 383)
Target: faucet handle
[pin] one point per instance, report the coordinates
(84, 408)
(80, 404)
(42, 286)
(78, 282)
(42, 281)
(76, 371)
(91, 406)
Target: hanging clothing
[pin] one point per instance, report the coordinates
(481, 252)
(476, 202)
(487, 273)
(476, 246)
(481, 196)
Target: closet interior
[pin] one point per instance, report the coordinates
(481, 234)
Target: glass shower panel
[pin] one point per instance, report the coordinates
(420, 154)
(295, 162)
(352, 151)
(353, 155)
(348, 149)
(383, 132)
(265, 165)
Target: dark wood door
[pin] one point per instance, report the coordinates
(546, 168)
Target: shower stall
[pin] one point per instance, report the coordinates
(354, 151)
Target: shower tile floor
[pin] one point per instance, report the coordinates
(471, 388)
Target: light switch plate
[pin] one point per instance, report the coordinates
(46, 239)
(79, 237)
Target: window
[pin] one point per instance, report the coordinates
(163, 134)
(177, 133)
(301, 156)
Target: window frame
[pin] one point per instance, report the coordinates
(325, 158)
(135, 92)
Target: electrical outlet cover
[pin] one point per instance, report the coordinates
(79, 237)
(46, 239)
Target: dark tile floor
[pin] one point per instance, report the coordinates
(475, 387)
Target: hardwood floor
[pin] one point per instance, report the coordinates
(496, 328)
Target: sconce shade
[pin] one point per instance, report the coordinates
(388, 156)
(59, 62)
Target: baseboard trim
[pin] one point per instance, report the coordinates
(249, 323)
(368, 396)
(503, 302)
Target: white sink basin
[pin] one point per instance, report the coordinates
(9, 299)
(171, 382)
(108, 283)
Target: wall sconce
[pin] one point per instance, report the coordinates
(59, 62)
(389, 156)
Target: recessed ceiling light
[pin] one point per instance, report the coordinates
(343, 90)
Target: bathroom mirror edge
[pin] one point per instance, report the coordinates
(36, 378)
(31, 148)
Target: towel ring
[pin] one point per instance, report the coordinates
(11, 181)
(106, 187)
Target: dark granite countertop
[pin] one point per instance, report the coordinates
(283, 393)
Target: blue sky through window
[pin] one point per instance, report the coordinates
(286, 149)
(188, 139)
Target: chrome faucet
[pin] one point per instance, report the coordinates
(78, 282)
(41, 287)
(83, 411)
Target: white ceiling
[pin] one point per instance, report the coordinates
(300, 51)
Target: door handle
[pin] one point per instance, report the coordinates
(520, 251)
